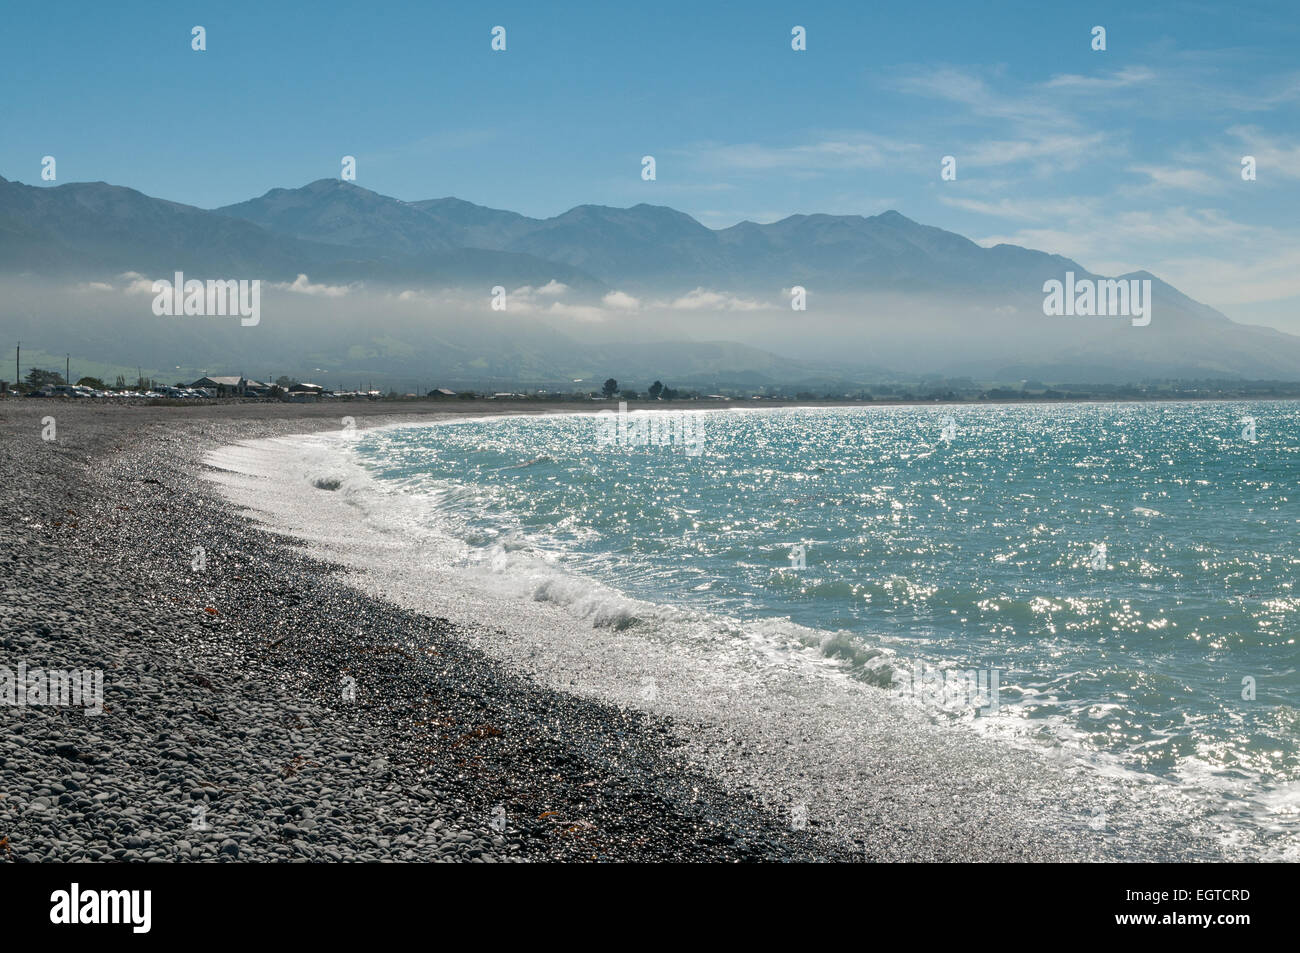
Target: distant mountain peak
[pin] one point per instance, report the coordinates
(332, 184)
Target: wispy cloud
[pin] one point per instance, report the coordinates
(831, 152)
(1273, 157)
(1061, 150)
(1130, 76)
(1187, 179)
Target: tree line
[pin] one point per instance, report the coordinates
(657, 391)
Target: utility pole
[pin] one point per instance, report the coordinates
(18, 364)
(67, 368)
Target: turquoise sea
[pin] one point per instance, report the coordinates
(1128, 570)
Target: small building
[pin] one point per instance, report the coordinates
(227, 386)
(440, 392)
(305, 388)
(223, 386)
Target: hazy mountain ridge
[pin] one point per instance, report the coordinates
(654, 247)
(348, 230)
(885, 293)
(95, 230)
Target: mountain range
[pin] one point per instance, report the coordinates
(887, 294)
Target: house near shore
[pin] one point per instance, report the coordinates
(233, 386)
(221, 386)
(303, 393)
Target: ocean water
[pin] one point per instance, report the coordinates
(1126, 572)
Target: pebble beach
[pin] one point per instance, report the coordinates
(255, 710)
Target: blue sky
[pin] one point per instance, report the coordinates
(1123, 159)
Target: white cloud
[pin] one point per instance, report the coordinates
(1173, 177)
(578, 312)
(971, 90)
(1063, 151)
(840, 151)
(620, 301)
(1271, 156)
(138, 284)
(1129, 76)
(302, 285)
(1034, 210)
(530, 298)
(701, 299)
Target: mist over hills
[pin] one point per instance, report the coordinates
(402, 288)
